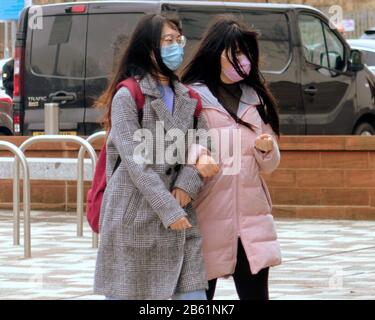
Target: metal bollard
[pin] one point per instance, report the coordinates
(51, 118)
(20, 158)
(16, 178)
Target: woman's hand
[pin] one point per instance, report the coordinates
(264, 143)
(181, 224)
(207, 166)
(181, 196)
(183, 199)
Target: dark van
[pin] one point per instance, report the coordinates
(322, 86)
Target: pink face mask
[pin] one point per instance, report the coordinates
(245, 66)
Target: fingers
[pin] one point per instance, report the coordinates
(264, 142)
(188, 224)
(202, 170)
(178, 197)
(211, 170)
(202, 159)
(181, 224)
(186, 199)
(207, 166)
(259, 143)
(181, 196)
(183, 200)
(265, 136)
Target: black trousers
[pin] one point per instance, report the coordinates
(248, 285)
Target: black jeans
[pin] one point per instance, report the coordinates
(248, 285)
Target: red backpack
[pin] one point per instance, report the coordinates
(95, 194)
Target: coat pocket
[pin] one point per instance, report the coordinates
(131, 207)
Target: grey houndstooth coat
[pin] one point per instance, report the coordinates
(139, 257)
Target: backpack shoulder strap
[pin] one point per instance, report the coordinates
(194, 95)
(135, 90)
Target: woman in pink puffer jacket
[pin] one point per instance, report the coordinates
(234, 207)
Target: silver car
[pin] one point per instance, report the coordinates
(367, 46)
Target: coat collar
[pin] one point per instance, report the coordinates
(149, 87)
(184, 106)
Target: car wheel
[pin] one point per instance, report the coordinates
(365, 129)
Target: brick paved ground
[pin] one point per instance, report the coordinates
(322, 259)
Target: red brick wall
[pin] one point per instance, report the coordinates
(325, 177)
(318, 177)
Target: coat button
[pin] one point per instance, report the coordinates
(169, 171)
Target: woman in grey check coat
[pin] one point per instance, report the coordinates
(140, 256)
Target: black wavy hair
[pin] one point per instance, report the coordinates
(228, 34)
(136, 60)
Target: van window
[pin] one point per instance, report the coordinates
(58, 48)
(335, 49)
(312, 37)
(273, 28)
(320, 45)
(108, 34)
(274, 39)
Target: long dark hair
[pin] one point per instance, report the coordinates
(136, 59)
(229, 34)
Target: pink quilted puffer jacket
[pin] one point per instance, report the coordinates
(236, 202)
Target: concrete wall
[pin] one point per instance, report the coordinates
(319, 177)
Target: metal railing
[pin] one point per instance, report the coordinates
(80, 188)
(16, 194)
(19, 156)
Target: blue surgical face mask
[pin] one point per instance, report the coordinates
(172, 56)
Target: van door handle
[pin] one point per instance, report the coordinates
(62, 96)
(311, 90)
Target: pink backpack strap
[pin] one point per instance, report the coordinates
(194, 95)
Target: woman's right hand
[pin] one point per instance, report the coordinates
(207, 166)
(181, 224)
(264, 143)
